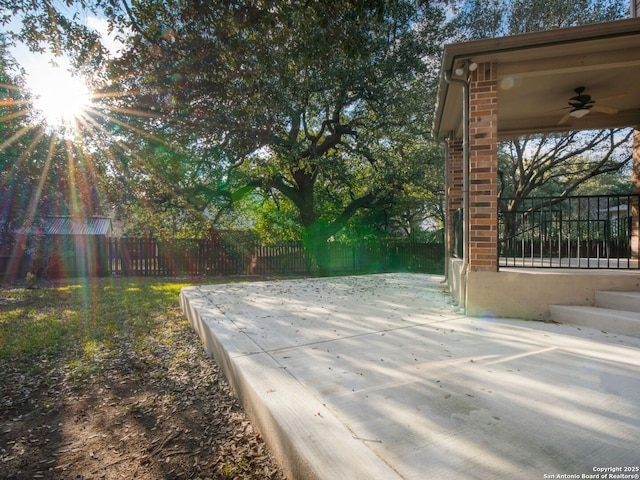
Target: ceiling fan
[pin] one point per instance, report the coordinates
(581, 104)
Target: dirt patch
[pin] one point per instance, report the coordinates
(162, 412)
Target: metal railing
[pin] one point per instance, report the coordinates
(572, 232)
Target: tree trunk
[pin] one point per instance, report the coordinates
(317, 250)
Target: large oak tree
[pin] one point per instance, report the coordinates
(314, 103)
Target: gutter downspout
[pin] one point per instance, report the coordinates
(466, 155)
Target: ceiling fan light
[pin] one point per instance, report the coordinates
(579, 112)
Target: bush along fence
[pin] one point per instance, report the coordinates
(151, 257)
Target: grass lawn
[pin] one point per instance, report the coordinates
(101, 378)
(85, 320)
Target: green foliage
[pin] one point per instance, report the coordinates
(610, 183)
(320, 110)
(18, 175)
(531, 16)
(45, 28)
(320, 129)
(272, 218)
(495, 18)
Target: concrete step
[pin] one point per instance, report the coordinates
(629, 301)
(605, 319)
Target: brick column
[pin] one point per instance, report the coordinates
(635, 189)
(635, 178)
(454, 187)
(483, 169)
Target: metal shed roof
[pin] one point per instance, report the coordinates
(77, 226)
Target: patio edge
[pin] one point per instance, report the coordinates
(307, 440)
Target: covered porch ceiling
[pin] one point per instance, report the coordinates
(539, 72)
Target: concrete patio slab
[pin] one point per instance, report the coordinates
(378, 377)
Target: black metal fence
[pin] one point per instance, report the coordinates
(572, 232)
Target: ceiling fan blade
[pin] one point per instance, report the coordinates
(564, 119)
(603, 109)
(611, 98)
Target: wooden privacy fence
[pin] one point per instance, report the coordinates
(150, 257)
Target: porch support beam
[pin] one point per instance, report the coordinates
(483, 169)
(588, 62)
(635, 189)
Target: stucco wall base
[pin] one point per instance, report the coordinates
(455, 280)
(527, 293)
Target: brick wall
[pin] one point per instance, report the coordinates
(635, 174)
(483, 169)
(454, 185)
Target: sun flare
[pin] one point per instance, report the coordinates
(59, 97)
